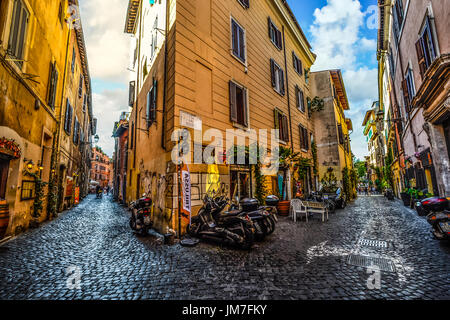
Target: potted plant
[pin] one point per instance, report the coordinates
(406, 198)
(286, 158)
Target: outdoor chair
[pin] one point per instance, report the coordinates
(298, 208)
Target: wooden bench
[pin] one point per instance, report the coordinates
(316, 207)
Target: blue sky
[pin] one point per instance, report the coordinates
(342, 33)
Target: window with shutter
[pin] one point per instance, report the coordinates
(300, 99)
(238, 41)
(275, 34)
(52, 85)
(131, 93)
(245, 3)
(281, 123)
(68, 117)
(340, 134)
(238, 104)
(18, 31)
(80, 87)
(84, 102)
(151, 104)
(304, 138)
(277, 76)
(76, 128)
(73, 60)
(425, 48)
(297, 64)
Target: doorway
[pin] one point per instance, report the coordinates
(4, 168)
(240, 184)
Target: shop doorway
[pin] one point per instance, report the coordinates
(240, 185)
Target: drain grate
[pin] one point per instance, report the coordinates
(368, 261)
(373, 243)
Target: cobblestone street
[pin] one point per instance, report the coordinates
(299, 261)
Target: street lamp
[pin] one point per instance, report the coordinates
(96, 138)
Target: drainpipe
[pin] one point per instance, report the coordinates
(136, 105)
(163, 135)
(287, 89)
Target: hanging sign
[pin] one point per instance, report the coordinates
(186, 193)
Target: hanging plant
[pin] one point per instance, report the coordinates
(329, 181)
(317, 104)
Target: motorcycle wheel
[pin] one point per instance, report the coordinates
(261, 231)
(271, 220)
(249, 238)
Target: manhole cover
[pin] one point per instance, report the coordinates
(368, 261)
(373, 243)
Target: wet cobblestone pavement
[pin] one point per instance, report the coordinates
(299, 261)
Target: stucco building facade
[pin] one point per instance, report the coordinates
(213, 65)
(37, 84)
(413, 79)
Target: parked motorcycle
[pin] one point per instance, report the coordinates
(229, 229)
(262, 217)
(440, 221)
(438, 215)
(141, 220)
(434, 204)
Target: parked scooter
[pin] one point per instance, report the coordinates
(141, 220)
(211, 224)
(438, 215)
(440, 221)
(434, 204)
(263, 219)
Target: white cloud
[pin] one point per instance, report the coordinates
(108, 105)
(107, 44)
(338, 44)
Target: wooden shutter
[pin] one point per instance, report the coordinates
(270, 27)
(154, 96)
(277, 123)
(234, 37)
(131, 93)
(279, 40)
(306, 139)
(241, 47)
(244, 105)
(14, 32)
(421, 57)
(281, 81)
(246, 3)
(405, 94)
(285, 129)
(300, 130)
(23, 29)
(272, 72)
(233, 106)
(297, 100)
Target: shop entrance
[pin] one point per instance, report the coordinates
(240, 184)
